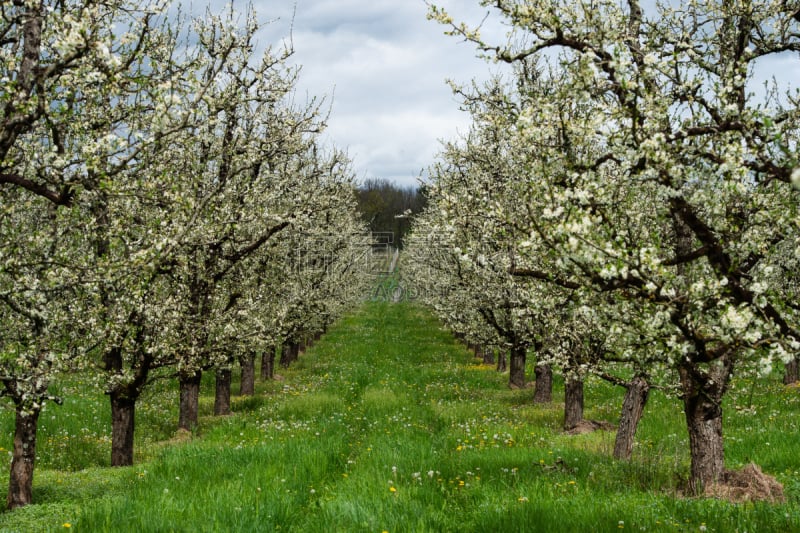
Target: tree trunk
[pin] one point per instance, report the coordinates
(701, 405)
(190, 400)
(123, 422)
(573, 402)
(20, 485)
(268, 363)
(632, 409)
(544, 384)
(247, 385)
(702, 390)
(501, 361)
(516, 375)
(488, 355)
(222, 392)
(792, 372)
(289, 353)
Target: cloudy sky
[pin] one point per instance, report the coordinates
(384, 68)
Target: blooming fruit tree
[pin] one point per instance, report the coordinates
(67, 82)
(145, 163)
(657, 169)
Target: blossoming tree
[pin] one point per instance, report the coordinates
(65, 84)
(140, 159)
(670, 188)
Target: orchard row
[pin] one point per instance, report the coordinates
(626, 204)
(166, 208)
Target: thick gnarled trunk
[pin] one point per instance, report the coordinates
(123, 397)
(268, 363)
(289, 353)
(502, 361)
(638, 390)
(701, 405)
(573, 401)
(189, 400)
(123, 425)
(247, 385)
(20, 485)
(516, 374)
(792, 372)
(222, 392)
(704, 379)
(544, 384)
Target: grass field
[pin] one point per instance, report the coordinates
(388, 424)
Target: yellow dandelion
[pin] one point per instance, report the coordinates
(392, 489)
(67, 525)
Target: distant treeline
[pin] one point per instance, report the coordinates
(380, 202)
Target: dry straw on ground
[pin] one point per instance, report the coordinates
(747, 485)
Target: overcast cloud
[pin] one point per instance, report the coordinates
(384, 68)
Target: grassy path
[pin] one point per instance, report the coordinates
(388, 425)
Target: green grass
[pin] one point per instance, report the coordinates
(387, 424)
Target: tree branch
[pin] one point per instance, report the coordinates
(65, 197)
